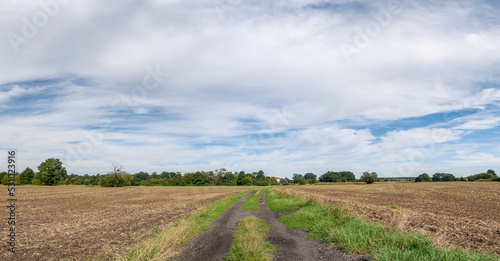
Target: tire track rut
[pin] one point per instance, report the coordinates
(290, 244)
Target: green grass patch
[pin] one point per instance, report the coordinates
(338, 227)
(170, 240)
(249, 243)
(279, 203)
(394, 206)
(252, 203)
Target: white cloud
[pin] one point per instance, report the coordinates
(243, 71)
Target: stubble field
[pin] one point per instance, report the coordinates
(74, 222)
(455, 213)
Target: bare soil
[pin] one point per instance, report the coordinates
(78, 223)
(466, 214)
(290, 244)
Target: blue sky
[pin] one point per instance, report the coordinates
(396, 87)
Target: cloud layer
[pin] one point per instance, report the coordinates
(397, 87)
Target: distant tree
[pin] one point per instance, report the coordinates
(116, 178)
(296, 178)
(481, 176)
(244, 180)
(138, 177)
(423, 177)
(260, 175)
(27, 176)
(77, 181)
(285, 182)
(227, 178)
(2, 174)
(176, 180)
(491, 172)
(5, 180)
(342, 176)
(449, 177)
(302, 181)
(50, 172)
(330, 176)
(310, 177)
(443, 177)
(369, 178)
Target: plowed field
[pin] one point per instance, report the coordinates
(455, 213)
(64, 222)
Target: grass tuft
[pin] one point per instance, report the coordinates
(252, 203)
(167, 245)
(249, 242)
(394, 206)
(280, 203)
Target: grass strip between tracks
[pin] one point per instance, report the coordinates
(337, 227)
(249, 243)
(252, 203)
(167, 245)
(280, 203)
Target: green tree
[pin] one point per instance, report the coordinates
(116, 178)
(77, 180)
(302, 181)
(342, 176)
(310, 177)
(491, 172)
(51, 171)
(5, 180)
(2, 174)
(369, 178)
(244, 180)
(260, 175)
(481, 176)
(296, 178)
(423, 177)
(138, 177)
(27, 176)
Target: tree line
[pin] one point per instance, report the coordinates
(52, 172)
(489, 175)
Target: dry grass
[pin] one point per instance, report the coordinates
(454, 213)
(166, 246)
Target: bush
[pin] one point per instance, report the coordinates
(262, 183)
(302, 181)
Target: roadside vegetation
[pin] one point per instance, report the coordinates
(249, 243)
(337, 227)
(252, 203)
(168, 243)
(280, 203)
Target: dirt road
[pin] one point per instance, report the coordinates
(290, 244)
